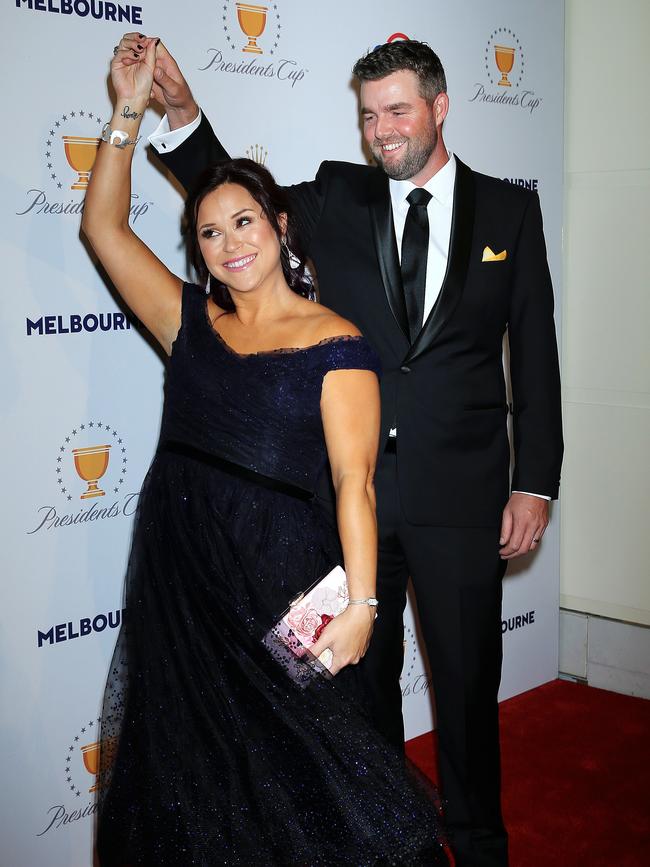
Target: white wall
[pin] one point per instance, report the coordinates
(606, 371)
(604, 653)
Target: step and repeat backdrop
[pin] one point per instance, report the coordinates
(83, 384)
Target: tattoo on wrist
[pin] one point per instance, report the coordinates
(132, 115)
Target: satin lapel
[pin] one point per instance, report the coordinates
(383, 231)
(460, 243)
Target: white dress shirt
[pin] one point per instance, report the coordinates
(439, 211)
(164, 139)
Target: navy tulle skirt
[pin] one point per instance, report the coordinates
(213, 754)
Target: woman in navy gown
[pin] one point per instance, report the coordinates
(214, 752)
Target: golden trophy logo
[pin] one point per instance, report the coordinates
(91, 463)
(80, 153)
(504, 51)
(252, 20)
(257, 153)
(77, 458)
(505, 58)
(98, 757)
(71, 146)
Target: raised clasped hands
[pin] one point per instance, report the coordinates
(132, 68)
(347, 636)
(167, 83)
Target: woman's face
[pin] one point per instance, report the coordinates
(238, 244)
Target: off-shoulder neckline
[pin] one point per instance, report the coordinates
(281, 350)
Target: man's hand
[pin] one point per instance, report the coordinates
(524, 520)
(172, 91)
(169, 86)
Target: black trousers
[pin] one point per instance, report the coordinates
(456, 573)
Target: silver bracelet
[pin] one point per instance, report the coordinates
(117, 137)
(369, 601)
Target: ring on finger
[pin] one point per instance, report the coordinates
(536, 541)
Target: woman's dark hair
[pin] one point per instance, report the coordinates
(271, 198)
(406, 54)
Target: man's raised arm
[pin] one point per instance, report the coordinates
(188, 150)
(184, 140)
(186, 144)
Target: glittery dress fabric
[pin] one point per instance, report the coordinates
(213, 752)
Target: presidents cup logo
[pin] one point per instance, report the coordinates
(87, 759)
(71, 148)
(91, 474)
(81, 757)
(89, 756)
(504, 67)
(507, 59)
(253, 32)
(70, 144)
(255, 22)
(91, 462)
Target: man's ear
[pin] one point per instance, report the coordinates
(440, 108)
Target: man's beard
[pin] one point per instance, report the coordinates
(414, 160)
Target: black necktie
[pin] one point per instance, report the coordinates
(415, 247)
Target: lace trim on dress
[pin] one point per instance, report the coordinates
(282, 350)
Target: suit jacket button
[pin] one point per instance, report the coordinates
(405, 368)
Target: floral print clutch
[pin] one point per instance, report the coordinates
(302, 623)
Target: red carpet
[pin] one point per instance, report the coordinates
(576, 776)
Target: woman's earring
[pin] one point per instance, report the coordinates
(294, 261)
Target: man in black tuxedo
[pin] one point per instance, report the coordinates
(434, 263)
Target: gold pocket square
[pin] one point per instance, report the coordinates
(489, 256)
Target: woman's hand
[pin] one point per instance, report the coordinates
(132, 69)
(347, 636)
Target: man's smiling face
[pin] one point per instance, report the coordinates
(399, 125)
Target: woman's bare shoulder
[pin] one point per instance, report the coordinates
(325, 323)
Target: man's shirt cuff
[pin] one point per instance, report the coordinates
(164, 139)
(530, 494)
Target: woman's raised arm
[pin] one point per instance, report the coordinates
(151, 291)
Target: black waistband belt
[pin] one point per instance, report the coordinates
(236, 470)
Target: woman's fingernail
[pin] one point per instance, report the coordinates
(157, 41)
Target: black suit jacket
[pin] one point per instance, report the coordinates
(446, 392)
